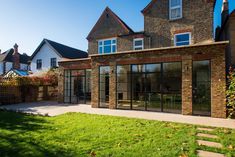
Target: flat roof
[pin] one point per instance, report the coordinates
(152, 49)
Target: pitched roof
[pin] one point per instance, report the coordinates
(7, 56)
(62, 50)
(15, 73)
(152, 3)
(122, 23)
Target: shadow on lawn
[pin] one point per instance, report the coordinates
(22, 135)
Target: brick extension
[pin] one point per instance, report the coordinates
(214, 52)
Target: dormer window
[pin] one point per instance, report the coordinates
(175, 9)
(182, 39)
(138, 44)
(107, 46)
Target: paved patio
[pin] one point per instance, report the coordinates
(54, 109)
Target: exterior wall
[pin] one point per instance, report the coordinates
(185, 55)
(45, 54)
(9, 66)
(24, 66)
(108, 26)
(77, 65)
(187, 106)
(124, 43)
(1, 68)
(197, 19)
(61, 85)
(232, 37)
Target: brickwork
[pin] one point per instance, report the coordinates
(186, 55)
(112, 85)
(95, 85)
(61, 85)
(187, 106)
(197, 19)
(218, 87)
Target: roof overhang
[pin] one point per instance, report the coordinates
(164, 48)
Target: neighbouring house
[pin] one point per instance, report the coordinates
(13, 60)
(16, 73)
(173, 66)
(48, 53)
(227, 33)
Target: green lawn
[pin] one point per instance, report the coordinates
(77, 134)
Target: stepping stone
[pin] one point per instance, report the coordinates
(205, 129)
(209, 144)
(202, 153)
(207, 135)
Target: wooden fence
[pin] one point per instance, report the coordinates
(12, 94)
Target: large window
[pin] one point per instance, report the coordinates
(39, 64)
(138, 44)
(152, 87)
(77, 87)
(182, 39)
(104, 86)
(124, 86)
(201, 88)
(107, 46)
(171, 87)
(53, 63)
(175, 9)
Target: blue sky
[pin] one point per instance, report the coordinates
(27, 22)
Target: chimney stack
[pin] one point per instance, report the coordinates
(16, 58)
(225, 11)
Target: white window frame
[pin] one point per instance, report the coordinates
(190, 38)
(138, 39)
(176, 7)
(102, 46)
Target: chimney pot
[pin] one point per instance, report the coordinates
(16, 48)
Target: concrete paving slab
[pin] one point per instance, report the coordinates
(207, 135)
(205, 129)
(202, 153)
(209, 144)
(55, 109)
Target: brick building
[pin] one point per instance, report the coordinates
(227, 33)
(172, 66)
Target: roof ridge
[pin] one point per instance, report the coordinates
(62, 44)
(120, 20)
(115, 16)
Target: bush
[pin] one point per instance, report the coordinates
(231, 93)
(49, 78)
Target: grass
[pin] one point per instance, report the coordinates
(76, 134)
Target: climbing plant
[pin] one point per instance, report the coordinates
(231, 93)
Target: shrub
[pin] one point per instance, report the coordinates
(231, 93)
(49, 78)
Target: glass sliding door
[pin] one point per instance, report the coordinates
(88, 86)
(146, 82)
(171, 87)
(138, 87)
(67, 86)
(123, 87)
(152, 87)
(201, 88)
(104, 86)
(76, 86)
